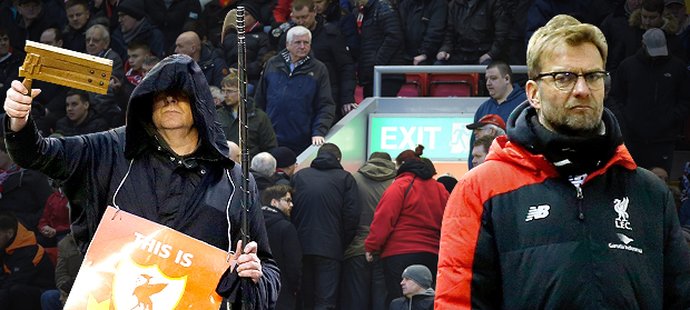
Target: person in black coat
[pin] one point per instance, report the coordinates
(326, 215)
(282, 235)
(80, 119)
(424, 24)
(382, 43)
(168, 164)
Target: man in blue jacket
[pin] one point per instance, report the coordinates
(295, 92)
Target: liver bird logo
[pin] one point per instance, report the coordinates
(621, 207)
(145, 290)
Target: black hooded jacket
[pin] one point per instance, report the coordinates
(132, 168)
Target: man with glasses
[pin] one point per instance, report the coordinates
(559, 215)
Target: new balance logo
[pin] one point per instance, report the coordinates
(537, 212)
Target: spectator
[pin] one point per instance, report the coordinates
(114, 102)
(424, 24)
(480, 149)
(80, 119)
(260, 134)
(295, 92)
(119, 166)
(407, 221)
(136, 53)
(448, 181)
(328, 46)
(616, 29)
(572, 205)
(504, 95)
(418, 292)
(50, 103)
(333, 13)
(326, 213)
(134, 26)
(27, 270)
(651, 15)
(173, 18)
(651, 137)
(484, 41)
(257, 43)
(363, 285)
(78, 17)
(488, 125)
(263, 167)
(282, 235)
(677, 9)
(382, 43)
(27, 19)
(23, 192)
(69, 261)
(286, 164)
(54, 223)
(209, 59)
(10, 62)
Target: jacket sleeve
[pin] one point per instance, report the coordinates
(676, 260)
(435, 30)
(260, 92)
(501, 28)
(468, 268)
(449, 34)
(293, 261)
(346, 68)
(393, 41)
(268, 135)
(324, 107)
(386, 215)
(351, 209)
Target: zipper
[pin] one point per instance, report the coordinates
(580, 197)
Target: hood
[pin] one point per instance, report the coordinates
(272, 215)
(517, 90)
(418, 167)
(22, 238)
(378, 169)
(670, 24)
(528, 146)
(326, 161)
(175, 72)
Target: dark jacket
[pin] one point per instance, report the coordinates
(423, 301)
(75, 39)
(328, 46)
(424, 24)
(605, 244)
(68, 263)
(408, 216)
(212, 63)
(52, 16)
(260, 134)
(177, 17)
(347, 24)
(24, 193)
(25, 262)
(195, 194)
(474, 28)
(92, 123)
(382, 39)
(287, 251)
(258, 46)
(299, 104)
(326, 208)
(373, 178)
(643, 82)
(146, 32)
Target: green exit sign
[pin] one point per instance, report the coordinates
(444, 137)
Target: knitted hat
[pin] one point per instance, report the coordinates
(284, 156)
(419, 274)
(251, 7)
(133, 8)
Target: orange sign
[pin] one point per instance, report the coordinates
(133, 263)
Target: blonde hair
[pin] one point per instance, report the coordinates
(562, 29)
(230, 80)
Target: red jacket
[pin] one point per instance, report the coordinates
(55, 213)
(408, 223)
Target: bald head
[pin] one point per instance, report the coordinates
(188, 43)
(234, 151)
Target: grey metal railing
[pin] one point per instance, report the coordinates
(380, 70)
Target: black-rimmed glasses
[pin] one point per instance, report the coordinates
(566, 80)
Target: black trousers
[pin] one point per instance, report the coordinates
(363, 285)
(21, 297)
(320, 279)
(393, 267)
(389, 87)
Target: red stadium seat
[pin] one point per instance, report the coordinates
(453, 85)
(415, 85)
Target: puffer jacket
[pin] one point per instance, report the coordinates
(133, 168)
(530, 239)
(382, 40)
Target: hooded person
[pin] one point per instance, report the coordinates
(171, 155)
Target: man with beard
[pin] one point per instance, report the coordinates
(572, 221)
